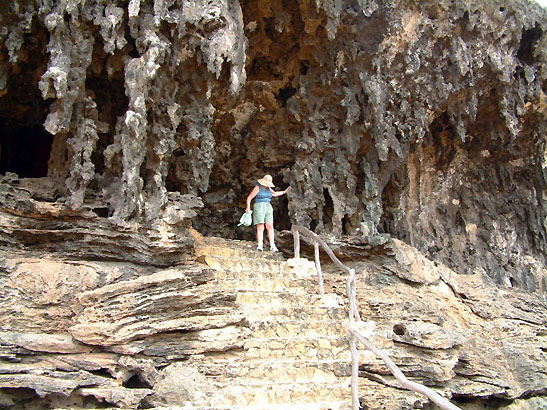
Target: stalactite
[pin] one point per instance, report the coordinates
(334, 98)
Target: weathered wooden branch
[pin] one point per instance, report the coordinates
(407, 384)
(324, 245)
(351, 293)
(353, 316)
(354, 372)
(318, 268)
(354, 335)
(296, 238)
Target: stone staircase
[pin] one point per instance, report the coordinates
(297, 355)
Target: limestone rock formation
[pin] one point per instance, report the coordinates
(422, 120)
(462, 331)
(413, 134)
(236, 328)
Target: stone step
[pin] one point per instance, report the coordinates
(276, 369)
(326, 405)
(293, 312)
(265, 300)
(302, 348)
(240, 265)
(297, 355)
(287, 298)
(302, 286)
(282, 273)
(264, 394)
(297, 328)
(236, 250)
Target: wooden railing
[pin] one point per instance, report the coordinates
(354, 322)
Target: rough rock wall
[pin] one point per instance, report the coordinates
(85, 331)
(423, 120)
(482, 342)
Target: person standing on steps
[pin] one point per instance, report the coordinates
(262, 193)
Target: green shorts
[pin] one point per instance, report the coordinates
(262, 213)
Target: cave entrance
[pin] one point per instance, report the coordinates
(24, 150)
(281, 214)
(25, 146)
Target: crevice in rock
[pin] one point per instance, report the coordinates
(136, 382)
(25, 150)
(102, 373)
(399, 330)
(485, 403)
(328, 210)
(528, 42)
(286, 93)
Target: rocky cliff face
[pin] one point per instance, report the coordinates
(425, 121)
(93, 330)
(125, 123)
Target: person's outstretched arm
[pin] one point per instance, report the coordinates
(250, 198)
(279, 193)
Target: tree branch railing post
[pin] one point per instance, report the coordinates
(354, 319)
(318, 268)
(407, 384)
(354, 372)
(296, 239)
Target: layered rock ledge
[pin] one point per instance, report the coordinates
(89, 331)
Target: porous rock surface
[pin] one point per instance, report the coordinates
(219, 330)
(418, 128)
(422, 120)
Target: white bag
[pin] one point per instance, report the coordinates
(246, 219)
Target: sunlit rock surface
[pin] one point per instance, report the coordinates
(91, 332)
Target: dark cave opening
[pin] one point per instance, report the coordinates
(25, 150)
(135, 382)
(281, 213)
(528, 41)
(25, 145)
(285, 94)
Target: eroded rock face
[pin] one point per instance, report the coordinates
(81, 332)
(476, 339)
(423, 121)
(89, 333)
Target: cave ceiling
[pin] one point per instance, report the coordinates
(420, 120)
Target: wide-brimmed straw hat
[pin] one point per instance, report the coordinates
(267, 180)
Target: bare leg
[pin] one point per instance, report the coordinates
(270, 229)
(260, 235)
